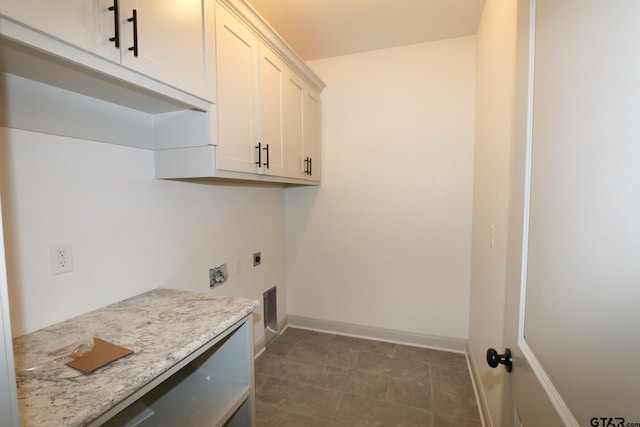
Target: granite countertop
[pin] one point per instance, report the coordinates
(162, 327)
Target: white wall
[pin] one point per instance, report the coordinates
(129, 232)
(492, 160)
(385, 241)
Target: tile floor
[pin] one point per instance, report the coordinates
(312, 379)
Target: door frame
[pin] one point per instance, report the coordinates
(8, 392)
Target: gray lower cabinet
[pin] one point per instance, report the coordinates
(213, 388)
(192, 365)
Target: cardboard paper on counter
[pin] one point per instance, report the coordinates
(103, 353)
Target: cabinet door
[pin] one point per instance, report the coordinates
(85, 24)
(311, 147)
(237, 94)
(173, 44)
(294, 98)
(272, 79)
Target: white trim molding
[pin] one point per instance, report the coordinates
(456, 345)
(481, 398)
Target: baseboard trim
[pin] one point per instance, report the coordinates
(258, 347)
(456, 345)
(479, 391)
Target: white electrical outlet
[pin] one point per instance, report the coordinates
(61, 260)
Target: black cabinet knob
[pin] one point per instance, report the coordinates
(494, 359)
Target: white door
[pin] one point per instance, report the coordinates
(574, 304)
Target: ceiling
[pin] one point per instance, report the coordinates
(324, 28)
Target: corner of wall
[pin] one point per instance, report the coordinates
(260, 345)
(481, 398)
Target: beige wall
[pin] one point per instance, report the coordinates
(385, 241)
(129, 232)
(492, 159)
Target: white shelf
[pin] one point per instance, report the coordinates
(54, 88)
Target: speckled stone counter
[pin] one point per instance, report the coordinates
(162, 327)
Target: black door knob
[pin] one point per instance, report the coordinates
(494, 359)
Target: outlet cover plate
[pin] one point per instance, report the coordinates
(61, 259)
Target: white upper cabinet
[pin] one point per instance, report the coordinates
(171, 41)
(167, 40)
(311, 144)
(302, 129)
(217, 92)
(271, 70)
(250, 96)
(236, 50)
(294, 97)
(85, 24)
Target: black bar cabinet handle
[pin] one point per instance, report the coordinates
(310, 166)
(134, 19)
(259, 148)
(267, 150)
(116, 23)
